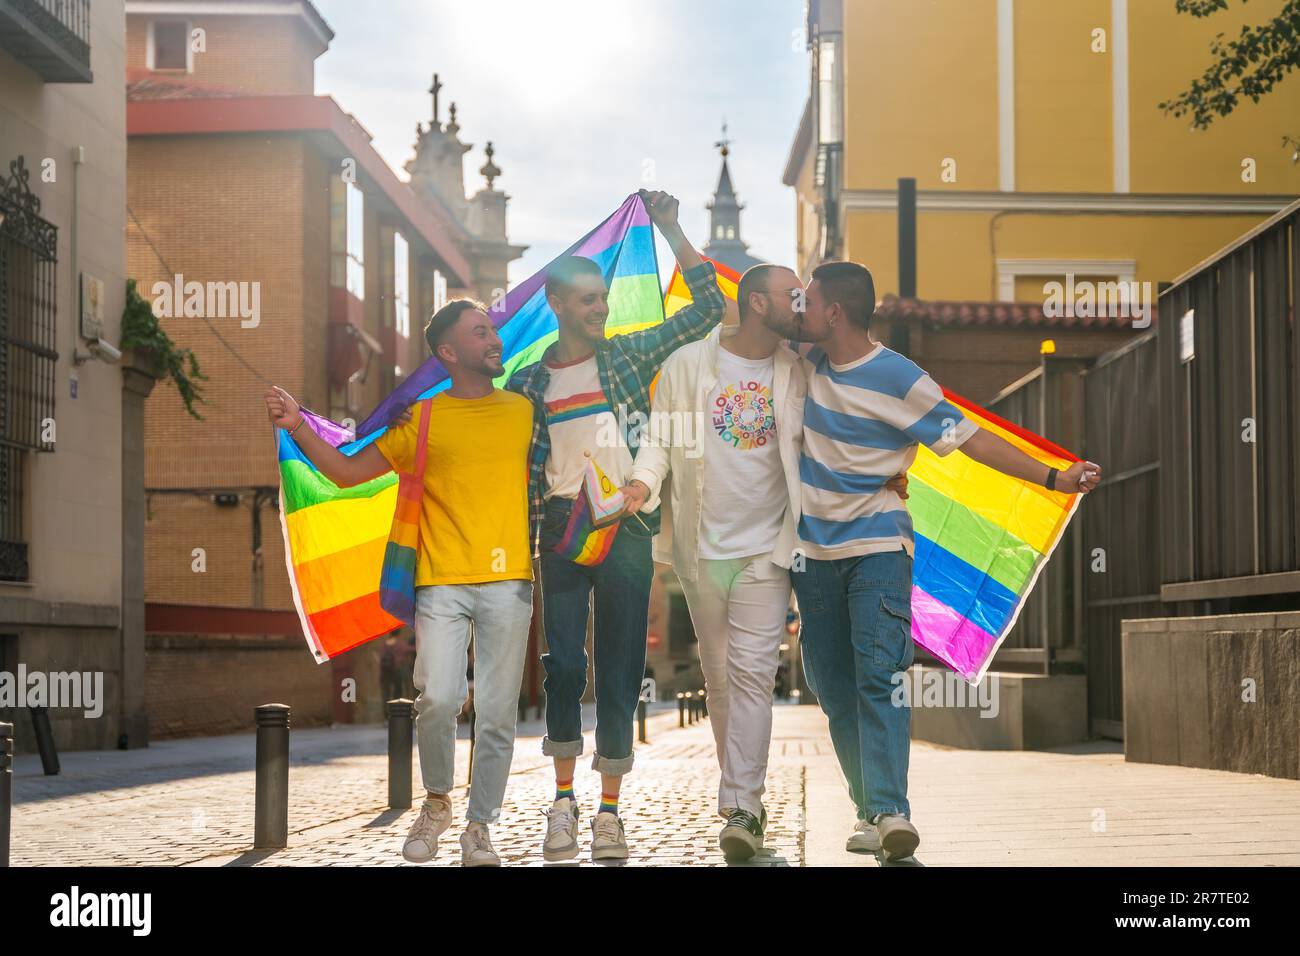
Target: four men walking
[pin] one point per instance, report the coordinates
(787, 464)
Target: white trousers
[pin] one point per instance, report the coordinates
(738, 608)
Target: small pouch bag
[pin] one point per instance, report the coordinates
(401, 555)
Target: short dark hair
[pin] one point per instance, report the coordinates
(849, 284)
(752, 281)
(442, 321)
(562, 272)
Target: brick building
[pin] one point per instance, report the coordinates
(241, 179)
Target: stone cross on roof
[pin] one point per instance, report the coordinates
(435, 89)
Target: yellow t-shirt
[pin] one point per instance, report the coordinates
(474, 518)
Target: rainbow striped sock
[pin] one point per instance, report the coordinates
(564, 789)
(609, 803)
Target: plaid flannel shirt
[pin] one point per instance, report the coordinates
(627, 364)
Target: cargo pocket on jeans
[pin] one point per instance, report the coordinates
(893, 646)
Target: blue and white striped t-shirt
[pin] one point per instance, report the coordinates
(862, 423)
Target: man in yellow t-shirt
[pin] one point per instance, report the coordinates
(474, 565)
(474, 517)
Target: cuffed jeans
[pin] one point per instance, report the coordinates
(856, 635)
(500, 612)
(738, 608)
(621, 584)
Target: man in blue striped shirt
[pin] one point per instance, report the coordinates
(866, 411)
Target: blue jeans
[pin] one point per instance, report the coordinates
(622, 596)
(856, 634)
(499, 613)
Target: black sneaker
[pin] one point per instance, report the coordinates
(742, 837)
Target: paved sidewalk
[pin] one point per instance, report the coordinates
(190, 802)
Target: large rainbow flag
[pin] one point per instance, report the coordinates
(982, 537)
(335, 537)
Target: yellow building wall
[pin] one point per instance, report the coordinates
(921, 85)
(950, 258)
(909, 105)
(1168, 50)
(807, 223)
(956, 252)
(1063, 97)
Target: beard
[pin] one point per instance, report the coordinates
(790, 327)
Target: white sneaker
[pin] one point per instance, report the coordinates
(608, 842)
(864, 838)
(476, 847)
(898, 838)
(421, 844)
(561, 841)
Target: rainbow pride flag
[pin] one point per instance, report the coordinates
(982, 537)
(335, 537)
(678, 295)
(593, 520)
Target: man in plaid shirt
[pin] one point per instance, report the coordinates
(585, 389)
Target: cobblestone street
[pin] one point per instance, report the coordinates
(190, 802)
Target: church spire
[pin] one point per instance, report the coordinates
(724, 190)
(725, 244)
(724, 209)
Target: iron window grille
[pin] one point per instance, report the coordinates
(28, 311)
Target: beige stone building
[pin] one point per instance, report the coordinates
(67, 601)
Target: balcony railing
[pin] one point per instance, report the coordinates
(52, 37)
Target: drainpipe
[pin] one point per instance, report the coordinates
(906, 258)
(78, 159)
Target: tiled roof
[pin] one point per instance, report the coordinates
(1008, 315)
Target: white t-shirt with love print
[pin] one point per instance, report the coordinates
(744, 497)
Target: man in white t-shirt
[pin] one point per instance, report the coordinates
(727, 420)
(866, 410)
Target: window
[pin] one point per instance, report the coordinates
(830, 92)
(1028, 280)
(401, 285)
(169, 45)
(356, 241)
(439, 290)
(731, 232)
(28, 260)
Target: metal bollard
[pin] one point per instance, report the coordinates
(704, 704)
(681, 709)
(694, 707)
(6, 788)
(400, 730)
(640, 722)
(45, 741)
(271, 801)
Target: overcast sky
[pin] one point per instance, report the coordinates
(585, 98)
